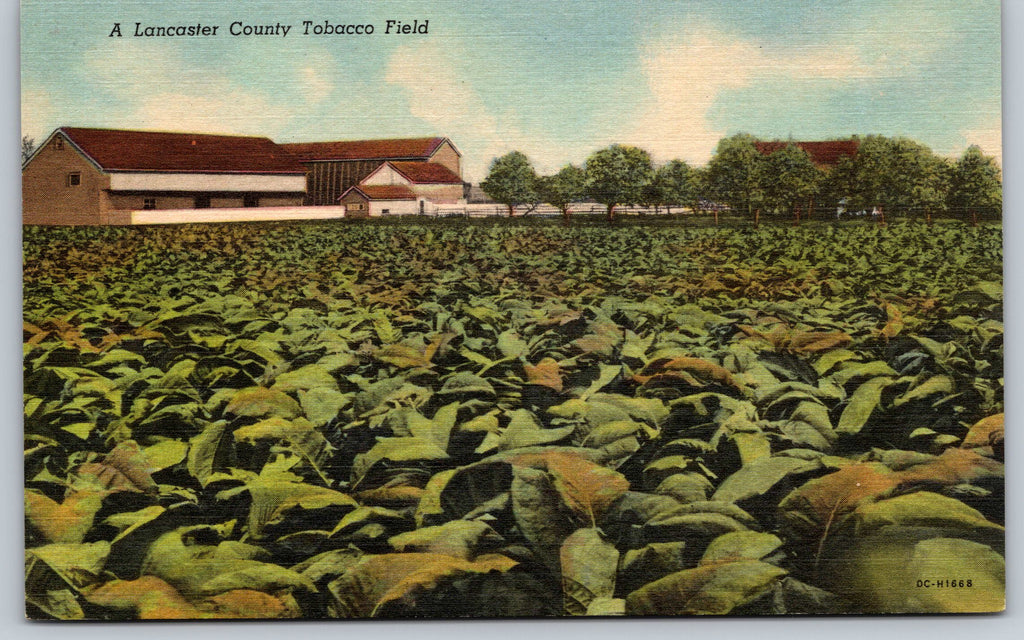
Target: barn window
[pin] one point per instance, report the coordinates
(149, 203)
(385, 211)
(74, 179)
(202, 202)
(250, 200)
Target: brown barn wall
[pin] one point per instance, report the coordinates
(326, 181)
(46, 196)
(446, 155)
(353, 202)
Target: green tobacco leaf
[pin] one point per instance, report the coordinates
(511, 345)
(208, 452)
(438, 429)
(468, 383)
(380, 580)
(402, 356)
(606, 374)
(405, 449)
(953, 557)
(740, 545)
(458, 538)
(322, 404)
(921, 509)
(523, 431)
(540, 514)
(758, 477)
(889, 574)
(258, 402)
(272, 499)
(589, 566)
(309, 443)
(165, 453)
(311, 376)
(78, 565)
(862, 404)
(258, 576)
(130, 521)
(714, 589)
(931, 386)
(686, 487)
(198, 569)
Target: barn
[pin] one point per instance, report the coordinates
(403, 188)
(372, 201)
(825, 154)
(333, 167)
(98, 176)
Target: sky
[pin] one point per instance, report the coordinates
(555, 80)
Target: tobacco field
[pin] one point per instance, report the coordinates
(512, 418)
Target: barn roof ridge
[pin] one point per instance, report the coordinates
(120, 150)
(369, 149)
(822, 152)
(382, 191)
(425, 172)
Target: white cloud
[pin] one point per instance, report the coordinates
(162, 91)
(988, 136)
(686, 75)
(316, 85)
(452, 106)
(37, 113)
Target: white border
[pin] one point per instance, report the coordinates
(1007, 625)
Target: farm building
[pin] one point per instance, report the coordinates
(403, 188)
(366, 201)
(333, 167)
(99, 176)
(826, 154)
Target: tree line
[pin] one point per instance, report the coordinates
(885, 175)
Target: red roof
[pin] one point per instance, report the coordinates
(118, 150)
(426, 173)
(391, 149)
(824, 153)
(383, 191)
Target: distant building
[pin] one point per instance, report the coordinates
(97, 176)
(403, 188)
(333, 167)
(825, 154)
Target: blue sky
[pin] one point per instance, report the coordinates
(556, 80)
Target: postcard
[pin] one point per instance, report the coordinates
(512, 310)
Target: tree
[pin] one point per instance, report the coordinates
(28, 145)
(789, 179)
(618, 175)
(673, 183)
(894, 173)
(735, 174)
(976, 184)
(697, 190)
(511, 181)
(563, 188)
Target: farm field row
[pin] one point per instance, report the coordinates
(498, 418)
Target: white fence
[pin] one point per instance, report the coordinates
(484, 210)
(241, 214)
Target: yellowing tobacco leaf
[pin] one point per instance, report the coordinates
(545, 373)
(379, 580)
(66, 522)
(985, 432)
